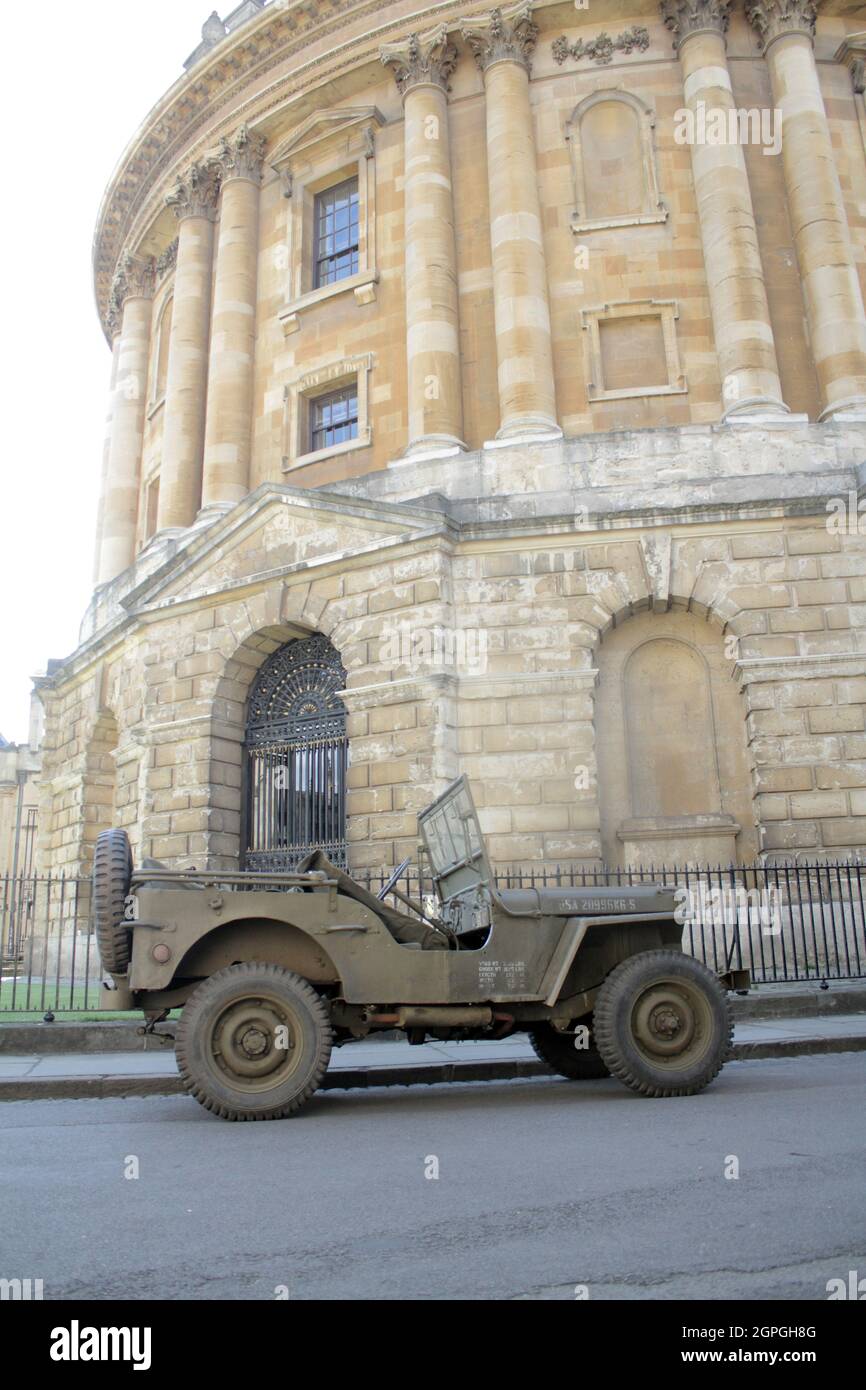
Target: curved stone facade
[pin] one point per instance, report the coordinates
(520, 352)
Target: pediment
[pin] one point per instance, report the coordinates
(323, 125)
(277, 531)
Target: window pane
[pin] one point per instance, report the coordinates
(337, 238)
(334, 418)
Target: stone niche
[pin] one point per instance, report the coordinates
(673, 773)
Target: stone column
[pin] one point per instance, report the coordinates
(194, 202)
(831, 289)
(132, 300)
(502, 43)
(735, 276)
(422, 68)
(229, 420)
(115, 323)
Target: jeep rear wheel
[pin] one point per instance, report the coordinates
(559, 1052)
(112, 873)
(254, 1042)
(663, 1024)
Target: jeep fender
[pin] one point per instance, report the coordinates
(252, 939)
(605, 941)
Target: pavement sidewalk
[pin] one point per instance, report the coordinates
(96, 1075)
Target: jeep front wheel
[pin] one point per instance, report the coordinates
(254, 1042)
(663, 1024)
(559, 1052)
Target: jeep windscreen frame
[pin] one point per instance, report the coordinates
(452, 838)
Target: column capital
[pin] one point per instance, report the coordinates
(196, 194)
(852, 53)
(506, 34)
(133, 279)
(687, 17)
(772, 19)
(240, 156)
(423, 59)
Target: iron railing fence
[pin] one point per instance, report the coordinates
(785, 922)
(48, 956)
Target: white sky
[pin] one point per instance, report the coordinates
(79, 81)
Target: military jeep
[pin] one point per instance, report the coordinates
(272, 970)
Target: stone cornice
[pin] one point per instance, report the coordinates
(505, 34)
(428, 58)
(852, 53)
(240, 156)
(687, 17)
(196, 194)
(772, 19)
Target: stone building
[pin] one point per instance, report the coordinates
(19, 803)
(488, 396)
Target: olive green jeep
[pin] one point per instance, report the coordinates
(272, 970)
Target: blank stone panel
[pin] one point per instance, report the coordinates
(633, 353)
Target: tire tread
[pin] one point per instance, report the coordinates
(604, 1028)
(112, 870)
(324, 1032)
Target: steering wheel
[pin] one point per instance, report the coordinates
(397, 874)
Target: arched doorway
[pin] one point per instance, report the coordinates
(296, 755)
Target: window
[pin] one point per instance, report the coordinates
(327, 168)
(163, 340)
(327, 412)
(337, 233)
(334, 418)
(151, 508)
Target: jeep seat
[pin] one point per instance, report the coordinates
(407, 930)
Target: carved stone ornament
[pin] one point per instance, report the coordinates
(852, 53)
(196, 194)
(423, 58)
(134, 279)
(503, 34)
(602, 49)
(772, 18)
(687, 17)
(167, 261)
(240, 157)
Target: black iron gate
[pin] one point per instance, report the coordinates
(296, 757)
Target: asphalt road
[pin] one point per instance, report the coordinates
(543, 1185)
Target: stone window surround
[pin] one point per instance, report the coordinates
(667, 310)
(322, 381)
(655, 210)
(157, 401)
(328, 149)
(148, 479)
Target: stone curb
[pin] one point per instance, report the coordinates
(367, 1078)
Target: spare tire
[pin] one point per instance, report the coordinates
(112, 874)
